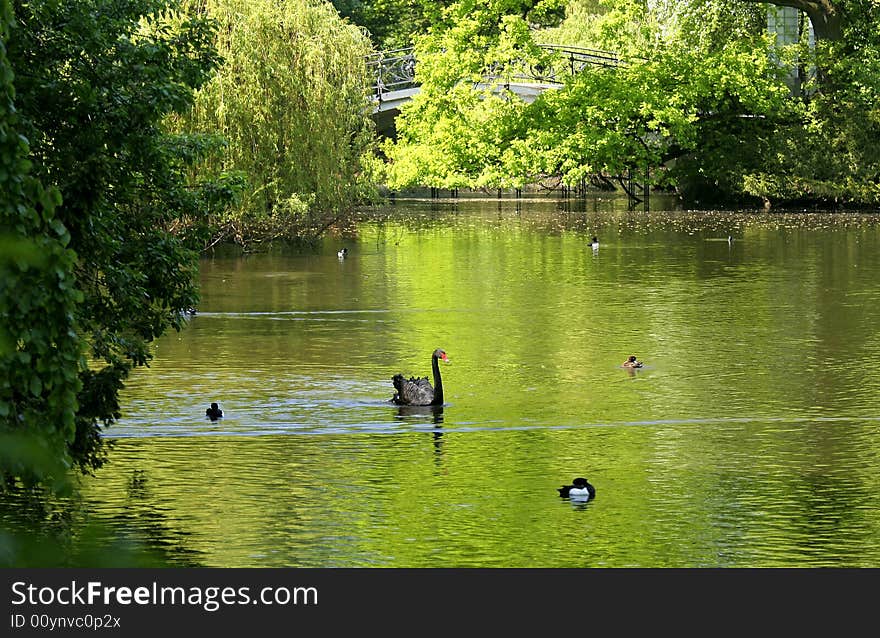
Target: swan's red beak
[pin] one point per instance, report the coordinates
(444, 357)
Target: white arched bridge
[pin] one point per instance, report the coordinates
(394, 77)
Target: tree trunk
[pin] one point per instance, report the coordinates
(826, 15)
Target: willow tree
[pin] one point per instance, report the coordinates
(291, 105)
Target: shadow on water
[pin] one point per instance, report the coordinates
(42, 530)
(422, 413)
(417, 413)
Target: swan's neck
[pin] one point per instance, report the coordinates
(438, 382)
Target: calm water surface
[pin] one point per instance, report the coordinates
(751, 437)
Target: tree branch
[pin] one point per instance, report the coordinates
(826, 15)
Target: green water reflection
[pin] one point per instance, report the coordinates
(750, 438)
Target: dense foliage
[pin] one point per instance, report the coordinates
(398, 23)
(830, 152)
(392, 23)
(103, 273)
(660, 105)
(700, 103)
(290, 102)
(39, 349)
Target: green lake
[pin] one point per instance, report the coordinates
(751, 438)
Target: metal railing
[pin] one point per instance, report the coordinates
(392, 70)
(395, 70)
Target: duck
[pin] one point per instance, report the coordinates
(632, 362)
(214, 412)
(579, 490)
(594, 243)
(342, 253)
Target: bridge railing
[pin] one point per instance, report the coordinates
(395, 70)
(560, 62)
(392, 70)
(576, 59)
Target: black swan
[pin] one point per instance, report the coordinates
(579, 490)
(214, 412)
(418, 391)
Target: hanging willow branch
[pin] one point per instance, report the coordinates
(289, 101)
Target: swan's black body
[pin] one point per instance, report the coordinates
(418, 390)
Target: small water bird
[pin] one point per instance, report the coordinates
(579, 490)
(594, 243)
(632, 362)
(342, 253)
(214, 412)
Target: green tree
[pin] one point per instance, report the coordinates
(829, 154)
(94, 81)
(454, 131)
(393, 23)
(39, 349)
(700, 104)
(290, 100)
(695, 104)
(399, 23)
